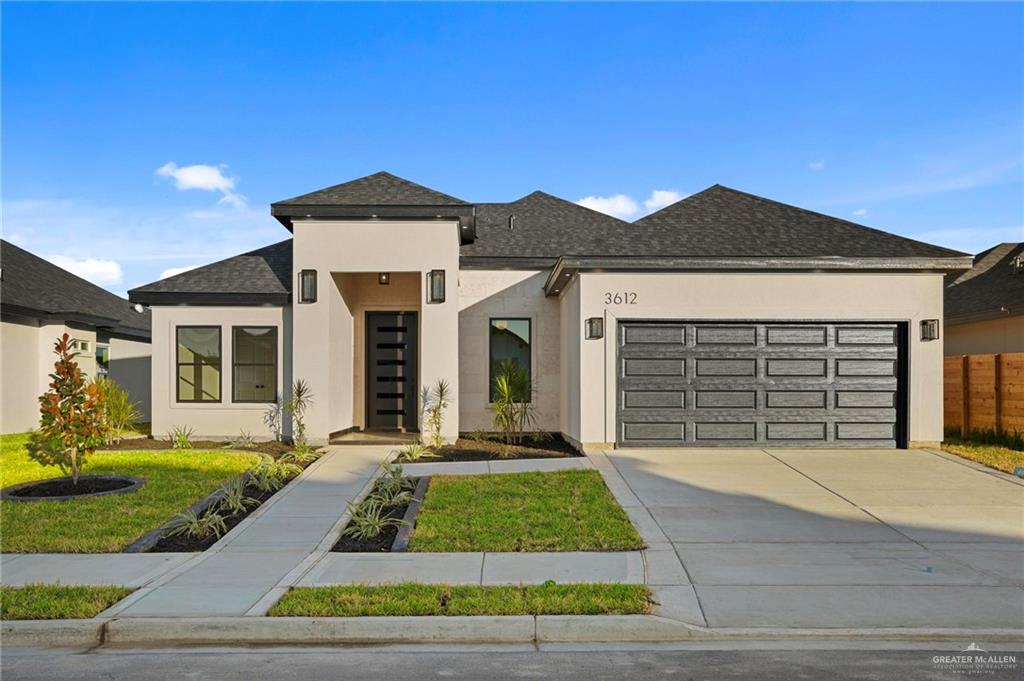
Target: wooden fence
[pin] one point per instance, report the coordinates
(984, 392)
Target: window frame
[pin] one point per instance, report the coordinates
(178, 364)
(234, 362)
(490, 355)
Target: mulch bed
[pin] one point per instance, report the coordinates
(271, 447)
(468, 449)
(379, 544)
(62, 487)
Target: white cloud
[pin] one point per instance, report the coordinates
(860, 212)
(99, 272)
(171, 271)
(660, 198)
(205, 177)
(816, 165)
(619, 205)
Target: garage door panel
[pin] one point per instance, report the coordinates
(726, 335)
(758, 382)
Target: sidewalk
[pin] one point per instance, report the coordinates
(238, 571)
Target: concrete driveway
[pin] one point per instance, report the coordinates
(823, 538)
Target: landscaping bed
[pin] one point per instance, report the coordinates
(443, 600)
(395, 519)
(174, 479)
(56, 601)
(510, 512)
(489, 448)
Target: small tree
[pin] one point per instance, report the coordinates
(72, 421)
(295, 406)
(435, 401)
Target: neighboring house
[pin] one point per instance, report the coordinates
(985, 304)
(39, 302)
(724, 319)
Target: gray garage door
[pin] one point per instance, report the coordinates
(820, 384)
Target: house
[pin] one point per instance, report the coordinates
(985, 304)
(723, 319)
(39, 303)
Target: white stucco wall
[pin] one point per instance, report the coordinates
(986, 337)
(908, 297)
(323, 331)
(19, 375)
(486, 294)
(212, 419)
(131, 367)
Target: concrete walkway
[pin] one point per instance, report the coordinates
(238, 571)
(826, 538)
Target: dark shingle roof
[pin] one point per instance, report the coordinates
(33, 285)
(993, 288)
(544, 227)
(379, 189)
(725, 222)
(263, 275)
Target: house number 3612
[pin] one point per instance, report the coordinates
(621, 298)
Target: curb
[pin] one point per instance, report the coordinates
(144, 631)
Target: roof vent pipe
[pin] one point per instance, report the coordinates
(511, 221)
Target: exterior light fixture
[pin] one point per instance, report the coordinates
(435, 286)
(929, 329)
(384, 278)
(307, 286)
(594, 328)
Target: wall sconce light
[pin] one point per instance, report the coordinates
(384, 278)
(929, 329)
(594, 328)
(435, 286)
(307, 286)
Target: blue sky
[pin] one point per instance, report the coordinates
(902, 117)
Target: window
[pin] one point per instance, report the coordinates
(102, 360)
(198, 359)
(510, 342)
(255, 363)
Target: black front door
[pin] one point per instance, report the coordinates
(391, 399)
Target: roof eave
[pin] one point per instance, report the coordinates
(564, 268)
(465, 213)
(171, 298)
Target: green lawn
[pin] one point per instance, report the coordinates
(57, 602)
(174, 480)
(993, 456)
(563, 511)
(440, 599)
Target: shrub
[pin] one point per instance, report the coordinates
(989, 436)
(368, 519)
(270, 475)
(415, 452)
(180, 437)
(199, 525)
(301, 456)
(119, 411)
(243, 441)
(295, 406)
(234, 499)
(437, 399)
(513, 405)
(72, 423)
(393, 481)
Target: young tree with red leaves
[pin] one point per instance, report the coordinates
(72, 423)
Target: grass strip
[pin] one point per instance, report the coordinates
(994, 456)
(510, 512)
(56, 601)
(440, 599)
